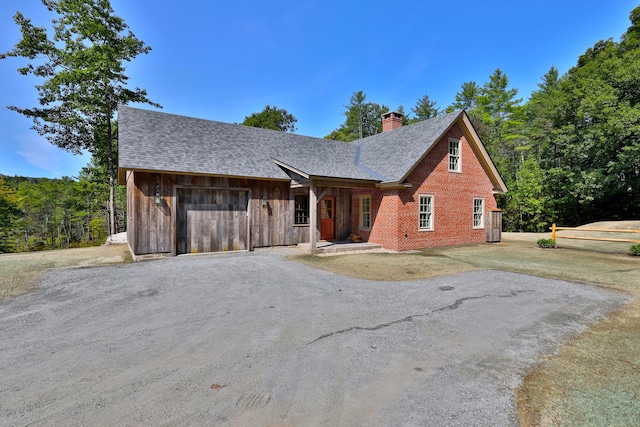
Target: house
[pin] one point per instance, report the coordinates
(197, 185)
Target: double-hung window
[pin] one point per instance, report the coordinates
(425, 212)
(365, 212)
(454, 155)
(478, 213)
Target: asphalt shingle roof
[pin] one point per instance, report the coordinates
(393, 154)
(156, 141)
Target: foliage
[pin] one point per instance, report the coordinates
(273, 118)
(546, 243)
(635, 250)
(363, 119)
(424, 109)
(82, 67)
(9, 214)
(587, 127)
(56, 213)
(526, 205)
(466, 99)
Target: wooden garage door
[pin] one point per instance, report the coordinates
(211, 220)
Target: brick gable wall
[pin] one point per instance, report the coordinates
(395, 212)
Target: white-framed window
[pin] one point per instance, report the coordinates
(425, 212)
(478, 213)
(365, 212)
(454, 155)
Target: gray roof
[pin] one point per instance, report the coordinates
(156, 141)
(393, 154)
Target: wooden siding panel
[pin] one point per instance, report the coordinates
(152, 229)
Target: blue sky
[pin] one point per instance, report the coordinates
(225, 60)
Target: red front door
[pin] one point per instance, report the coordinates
(327, 218)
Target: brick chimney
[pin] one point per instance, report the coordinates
(391, 121)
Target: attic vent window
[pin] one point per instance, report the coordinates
(454, 155)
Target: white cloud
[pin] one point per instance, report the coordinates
(56, 162)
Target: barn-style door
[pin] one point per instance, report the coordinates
(211, 220)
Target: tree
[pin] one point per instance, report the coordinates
(584, 128)
(466, 99)
(55, 213)
(542, 113)
(503, 119)
(273, 118)
(526, 207)
(363, 119)
(9, 213)
(82, 66)
(425, 109)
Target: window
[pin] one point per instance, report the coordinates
(365, 212)
(425, 212)
(478, 213)
(301, 209)
(454, 155)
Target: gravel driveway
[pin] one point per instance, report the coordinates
(251, 339)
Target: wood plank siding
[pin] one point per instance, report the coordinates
(211, 220)
(209, 214)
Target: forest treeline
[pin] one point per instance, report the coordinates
(570, 154)
(42, 213)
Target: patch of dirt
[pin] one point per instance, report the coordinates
(21, 272)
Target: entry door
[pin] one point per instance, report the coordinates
(327, 218)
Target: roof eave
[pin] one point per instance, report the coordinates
(390, 185)
(286, 167)
(474, 139)
(123, 169)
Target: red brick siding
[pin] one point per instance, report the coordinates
(391, 121)
(384, 216)
(395, 212)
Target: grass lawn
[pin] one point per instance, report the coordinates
(594, 380)
(21, 272)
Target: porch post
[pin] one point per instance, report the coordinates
(313, 217)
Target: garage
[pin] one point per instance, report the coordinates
(211, 220)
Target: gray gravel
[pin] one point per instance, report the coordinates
(251, 339)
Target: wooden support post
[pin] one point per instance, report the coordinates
(313, 217)
(553, 231)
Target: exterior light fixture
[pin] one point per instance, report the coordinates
(158, 198)
(264, 201)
